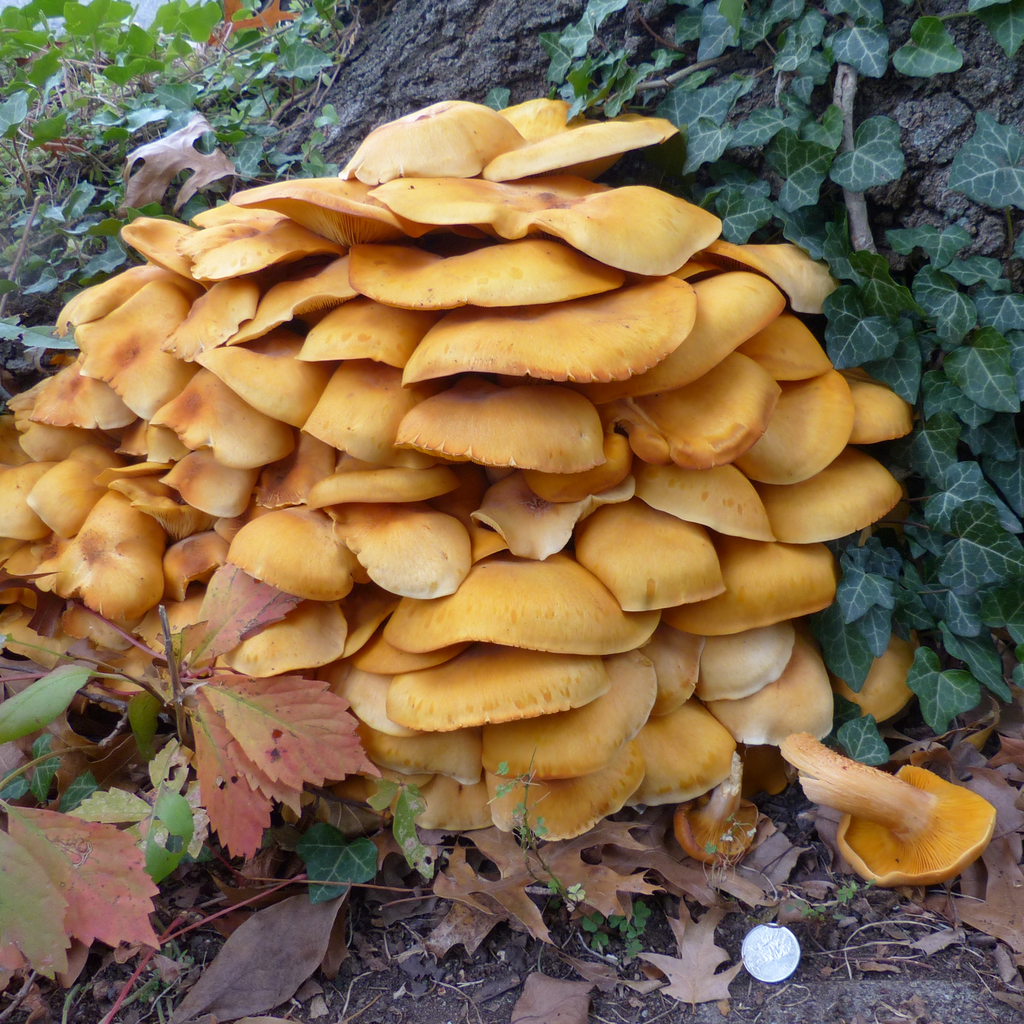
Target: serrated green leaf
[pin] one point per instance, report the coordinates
(759, 128)
(988, 167)
(1004, 312)
(862, 741)
(1006, 23)
(875, 159)
(1008, 476)
(846, 652)
(982, 371)
(954, 313)
(942, 695)
(333, 863)
(931, 51)
(803, 165)
(865, 47)
(981, 657)
(851, 336)
(41, 702)
(983, 552)
(940, 248)
(113, 806)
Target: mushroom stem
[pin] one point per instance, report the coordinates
(723, 803)
(858, 790)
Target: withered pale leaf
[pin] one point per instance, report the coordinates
(462, 925)
(1002, 912)
(165, 158)
(552, 1001)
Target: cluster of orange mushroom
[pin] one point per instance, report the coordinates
(548, 463)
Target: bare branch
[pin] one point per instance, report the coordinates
(843, 96)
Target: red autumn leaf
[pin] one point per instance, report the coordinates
(293, 729)
(267, 18)
(237, 812)
(96, 868)
(257, 780)
(235, 607)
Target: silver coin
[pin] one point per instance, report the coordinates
(770, 952)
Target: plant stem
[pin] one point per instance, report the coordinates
(843, 96)
(669, 80)
(20, 255)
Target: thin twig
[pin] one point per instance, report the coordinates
(20, 255)
(843, 96)
(677, 76)
(172, 669)
(20, 997)
(654, 35)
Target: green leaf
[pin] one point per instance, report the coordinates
(560, 54)
(931, 51)
(881, 295)
(942, 395)
(705, 143)
(799, 40)
(875, 625)
(901, 371)
(981, 656)
(44, 67)
(953, 312)
(940, 248)
(302, 61)
(997, 439)
(410, 805)
(144, 717)
(12, 113)
(1009, 478)
(862, 740)
(859, 590)
(122, 74)
(497, 98)
(942, 695)
(876, 157)
(966, 483)
(166, 846)
(683, 107)
(982, 371)
(43, 773)
(48, 129)
(80, 788)
(933, 447)
(41, 702)
(803, 165)
(976, 269)
(716, 31)
(847, 654)
(865, 47)
(759, 128)
(983, 552)
(1003, 312)
(860, 10)
(200, 21)
(333, 863)
(851, 336)
(732, 11)
(384, 794)
(988, 167)
(1004, 608)
(1006, 23)
(743, 211)
(829, 132)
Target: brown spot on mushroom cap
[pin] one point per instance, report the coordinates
(207, 485)
(764, 583)
(554, 605)
(884, 692)
(214, 317)
(448, 138)
(18, 520)
(540, 427)
(455, 754)
(194, 559)
(69, 399)
(879, 414)
(65, 495)
(787, 350)
(738, 664)
(810, 426)
(676, 659)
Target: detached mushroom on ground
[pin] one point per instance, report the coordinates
(549, 467)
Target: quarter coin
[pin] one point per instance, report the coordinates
(770, 952)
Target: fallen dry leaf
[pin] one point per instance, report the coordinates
(462, 925)
(1011, 751)
(771, 856)
(939, 940)
(1002, 912)
(551, 1001)
(606, 977)
(264, 962)
(692, 976)
(876, 966)
(165, 158)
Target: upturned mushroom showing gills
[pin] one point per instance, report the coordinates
(911, 828)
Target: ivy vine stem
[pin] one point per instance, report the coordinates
(843, 95)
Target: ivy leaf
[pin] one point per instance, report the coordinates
(1009, 478)
(41, 702)
(805, 227)
(981, 656)
(803, 165)
(933, 447)
(759, 128)
(1004, 608)
(997, 439)
(881, 295)
(865, 47)
(301, 60)
(333, 863)
(862, 740)
(682, 106)
(409, 805)
(983, 552)
(942, 695)
(80, 788)
(940, 248)
(858, 591)
(42, 774)
(12, 113)
(875, 625)
(977, 269)
(1003, 312)
(931, 51)
(942, 395)
(560, 54)
(953, 312)
(829, 132)
(716, 31)
(497, 98)
(876, 157)
(988, 167)
(1006, 23)
(705, 143)
(851, 336)
(860, 10)
(982, 371)
(847, 654)
(743, 211)
(798, 41)
(961, 612)
(901, 370)
(966, 483)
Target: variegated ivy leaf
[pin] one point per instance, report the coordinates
(942, 695)
(942, 395)
(1008, 476)
(803, 165)
(743, 211)
(954, 313)
(932, 447)
(881, 295)
(863, 742)
(875, 625)
(799, 40)
(759, 128)
(685, 106)
(978, 269)
(965, 483)
(1006, 23)
(901, 370)
(988, 168)
(983, 552)
(852, 337)
(931, 51)
(1004, 312)
(859, 590)
(865, 47)
(869, 11)
(876, 157)
(847, 654)
(805, 227)
(981, 370)
(705, 143)
(716, 31)
(981, 657)
(940, 248)
(829, 132)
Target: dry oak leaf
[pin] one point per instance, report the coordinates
(165, 158)
(692, 976)
(552, 1001)
(1002, 913)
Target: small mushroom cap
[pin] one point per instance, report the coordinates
(157, 240)
(408, 549)
(729, 309)
(310, 635)
(79, 622)
(100, 299)
(686, 753)
(367, 692)
(580, 144)
(810, 426)
(538, 119)
(11, 453)
(530, 427)
(455, 754)
(850, 493)
(378, 656)
(806, 282)
(787, 350)
(581, 741)
(361, 409)
(879, 414)
(568, 807)
(115, 562)
(665, 563)
(295, 550)
(488, 683)
(69, 399)
(764, 584)
(453, 807)
(149, 495)
(229, 213)
(336, 209)
(214, 317)
(739, 664)
(268, 376)
(123, 348)
(721, 498)
(291, 480)
(208, 414)
(365, 608)
(18, 520)
(19, 638)
(513, 274)
(284, 242)
(211, 487)
(708, 423)
(451, 138)
(799, 700)
(364, 329)
(614, 335)
(194, 559)
(66, 494)
(572, 487)
(885, 692)
(43, 443)
(676, 658)
(306, 291)
(382, 485)
(554, 605)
